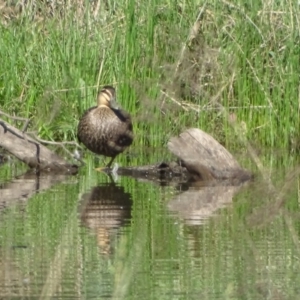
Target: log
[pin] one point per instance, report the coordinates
(201, 158)
(162, 173)
(205, 158)
(31, 152)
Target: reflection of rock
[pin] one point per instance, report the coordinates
(196, 205)
(105, 209)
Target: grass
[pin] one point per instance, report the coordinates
(175, 64)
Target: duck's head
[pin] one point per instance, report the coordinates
(107, 97)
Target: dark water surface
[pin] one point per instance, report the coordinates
(85, 237)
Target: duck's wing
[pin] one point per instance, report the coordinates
(83, 123)
(123, 115)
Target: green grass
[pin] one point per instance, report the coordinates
(243, 60)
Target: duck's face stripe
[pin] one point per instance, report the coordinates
(109, 90)
(106, 95)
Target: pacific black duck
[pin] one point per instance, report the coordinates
(106, 129)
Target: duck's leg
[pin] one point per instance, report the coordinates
(108, 166)
(110, 162)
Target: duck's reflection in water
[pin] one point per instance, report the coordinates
(104, 210)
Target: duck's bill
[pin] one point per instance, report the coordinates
(114, 104)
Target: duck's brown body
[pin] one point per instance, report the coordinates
(106, 130)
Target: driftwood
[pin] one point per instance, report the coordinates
(31, 152)
(163, 173)
(201, 158)
(205, 158)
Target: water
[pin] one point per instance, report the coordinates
(86, 237)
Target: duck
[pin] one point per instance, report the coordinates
(106, 129)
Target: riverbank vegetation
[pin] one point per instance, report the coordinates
(176, 64)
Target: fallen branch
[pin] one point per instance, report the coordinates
(62, 145)
(32, 152)
(25, 120)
